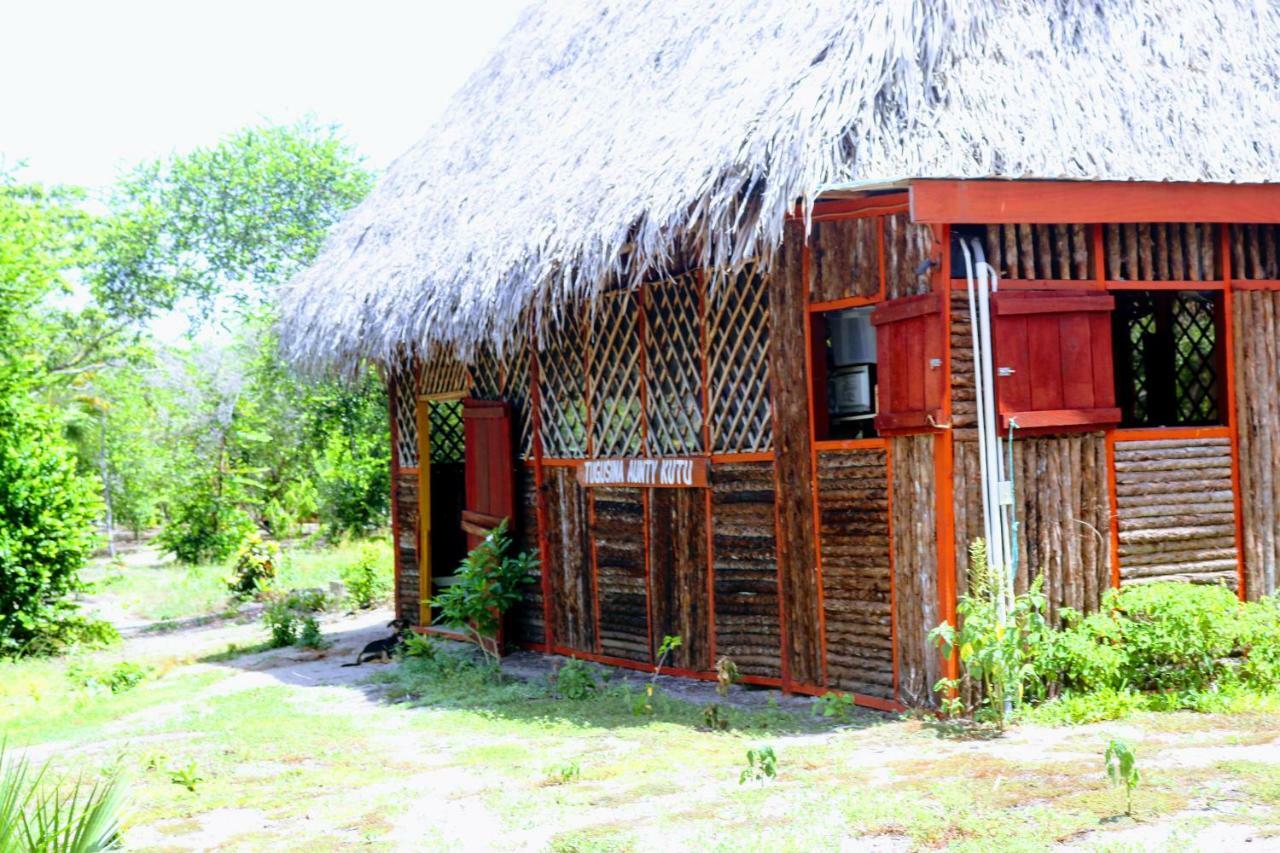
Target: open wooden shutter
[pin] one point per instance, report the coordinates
(490, 467)
(1053, 359)
(909, 350)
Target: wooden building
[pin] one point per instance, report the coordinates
(721, 373)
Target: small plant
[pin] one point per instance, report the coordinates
(38, 814)
(254, 567)
(835, 705)
(118, 678)
(665, 648)
(564, 773)
(365, 579)
(486, 585)
(727, 675)
(1122, 769)
(715, 718)
(575, 680)
(187, 777)
(419, 646)
(310, 636)
(762, 764)
(282, 621)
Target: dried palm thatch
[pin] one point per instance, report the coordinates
(603, 139)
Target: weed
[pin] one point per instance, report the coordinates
(310, 636)
(365, 579)
(727, 675)
(665, 648)
(187, 777)
(1122, 769)
(415, 645)
(834, 705)
(564, 773)
(254, 568)
(762, 764)
(282, 621)
(114, 679)
(715, 718)
(575, 680)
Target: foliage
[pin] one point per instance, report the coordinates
(38, 814)
(287, 615)
(727, 675)
(715, 718)
(117, 678)
(575, 680)
(415, 645)
(366, 578)
(669, 644)
(998, 656)
(762, 764)
(204, 522)
(187, 776)
(282, 621)
(254, 568)
(486, 585)
(835, 705)
(1122, 769)
(310, 636)
(352, 479)
(564, 773)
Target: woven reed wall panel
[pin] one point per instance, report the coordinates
(1062, 506)
(907, 245)
(568, 561)
(1257, 343)
(853, 501)
(406, 489)
(673, 367)
(1161, 251)
(741, 417)
(404, 400)
(915, 566)
(844, 256)
(1176, 510)
(617, 427)
(516, 389)
(527, 621)
(1059, 252)
(1255, 252)
(743, 558)
(562, 389)
(678, 574)
(443, 374)
(617, 534)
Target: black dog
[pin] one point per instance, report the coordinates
(383, 647)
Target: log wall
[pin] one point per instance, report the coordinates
(568, 563)
(907, 246)
(527, 623)
(915, 566)
(1176, 511)
(853, 499)
(797, 553)
(743, 559)
(1061, 252)
(678, 575)
(1161, 251)
(1257, 374)
(617, 534)
(406, 504)
(844, 257)
(1255, 252)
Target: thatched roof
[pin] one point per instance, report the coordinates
(646, 124)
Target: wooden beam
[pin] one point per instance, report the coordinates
(1025, 202)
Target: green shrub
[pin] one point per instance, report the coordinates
(204, 524)
(575, 680)
(352, 480)
(310, 636)
(282, 621)
(415, 645)
(47, 513)
(117, 678)
(289, 618)
(39, 814)
(367, 578)
(255, 566)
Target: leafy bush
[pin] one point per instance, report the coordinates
(575, 680)
(352, 480)
(255, 566)
(282, 621)
(117, 678)
(46, 527)
(310, 636)
(204, 524)
(37, 814)
(367, 578)
(415, 645)
(289, 618)
(487, 585)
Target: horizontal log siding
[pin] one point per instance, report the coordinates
(406, 489)
(678, 575)
(744, 562)
(568, 563)
(617, 533)
(1176, 511)
(853, 499)
(527, 623)
(1257, 375)
(844, 256)
(915, 566)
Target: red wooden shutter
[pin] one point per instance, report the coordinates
(909, 350)
(1053, 359)
(490, 467)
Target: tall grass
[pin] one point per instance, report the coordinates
(38, 815)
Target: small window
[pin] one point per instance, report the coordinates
(1169, 357)
(845, 374)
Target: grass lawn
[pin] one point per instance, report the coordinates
(288, 750)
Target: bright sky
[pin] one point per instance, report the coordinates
(91, 88)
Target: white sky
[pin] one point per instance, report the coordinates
(91, 88)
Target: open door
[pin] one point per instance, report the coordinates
(490, 468)
(441, 542)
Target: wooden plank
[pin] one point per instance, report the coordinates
(678, 576)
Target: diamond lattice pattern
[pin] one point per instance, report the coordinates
(673, 367)
(616, 426)
(446, 439)
(738, 364)
(404, 394)
(1195, 333)
(562, 404)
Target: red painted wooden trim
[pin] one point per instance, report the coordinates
(1227, 320)
(893, 585)
(873, 702)
(1036, 302)
(1164, 285)
(642, 666)
(944, 464)
(847, 302)
(485, 408)
(562, 463)
(855, 208)
(539, 497)
(810, 357)
(1016, 284)
(706, 448)
(851, 444)
(1166, 433)
(906, 308)
(1114, 504)
(885, 424)
(395, 503)
(760, 456)
(1254, 284)
(1061, 418)
(1048, 202)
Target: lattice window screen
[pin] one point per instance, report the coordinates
(673, 367)
(561, 389)
(486, 374)
(738, 364)
(614, 366)
(443, 373)
(515, 389)
(404, 388)
(446, 438)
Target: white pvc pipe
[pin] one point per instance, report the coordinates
(988, 515)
